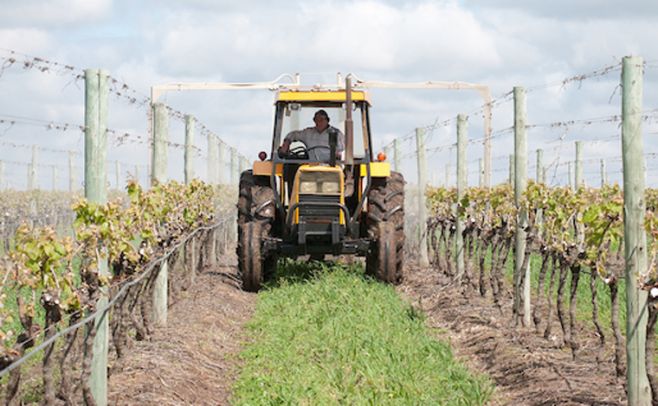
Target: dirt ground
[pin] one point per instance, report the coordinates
(526, 368)
(193, 361)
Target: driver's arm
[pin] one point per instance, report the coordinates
(283, 149)
(292, 136)
(340, 147)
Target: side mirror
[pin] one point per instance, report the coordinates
(333, 141)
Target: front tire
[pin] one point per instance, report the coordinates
(256, 210)
(249, 253)
(385, 222)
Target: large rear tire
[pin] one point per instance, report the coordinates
(385, 221)
(256, 210)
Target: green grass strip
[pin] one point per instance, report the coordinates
(328, 335)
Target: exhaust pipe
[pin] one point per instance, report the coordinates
(349, 124)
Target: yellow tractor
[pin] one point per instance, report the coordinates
(294, 204)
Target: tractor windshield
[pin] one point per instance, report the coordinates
(299, 116)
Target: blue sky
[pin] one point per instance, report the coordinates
(500, 43)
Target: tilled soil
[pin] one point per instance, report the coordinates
(194, 359)
(526, 368)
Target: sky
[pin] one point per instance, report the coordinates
(498, 43)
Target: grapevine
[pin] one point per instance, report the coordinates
(49, 280)
(573, 232)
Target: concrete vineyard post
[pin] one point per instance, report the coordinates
(570, 174)
(422, 208)
(462, 139)
(521, 292)
(212, 159)
(160, 141)
(604, 180)
(635, 244)
(189, 149)
(234, 167)
(487, 139)
(541, 179)
(159, 175)
(396, 155)
(221, 163)
(579, 165)
(96, 110)
(511, 170)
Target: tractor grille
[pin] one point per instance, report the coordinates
(319, 212)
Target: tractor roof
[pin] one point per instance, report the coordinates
(322, 95)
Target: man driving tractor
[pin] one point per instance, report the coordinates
(316, 139)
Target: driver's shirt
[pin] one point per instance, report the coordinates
(312, 138)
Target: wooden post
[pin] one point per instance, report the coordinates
(189, 149)
(604, 178)
(212, 159)
(541, 179)
(579, 165)
(487, 138)
(159, 175)
(540, 166)
(159, 146)
(72, 187)
(396, 155)
(521, 293)
(462, 184)
(234, 166)
(188, 166)
(96, 110)
(422, 184)
(635, 244)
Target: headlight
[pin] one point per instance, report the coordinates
(308, 186)
(319, 182)
(330, 187)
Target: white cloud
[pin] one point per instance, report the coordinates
(31, 40)
(52, 13)
(500, 44)
(365, 36)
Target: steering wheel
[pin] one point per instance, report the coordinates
(298, 152)
(323, 153)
